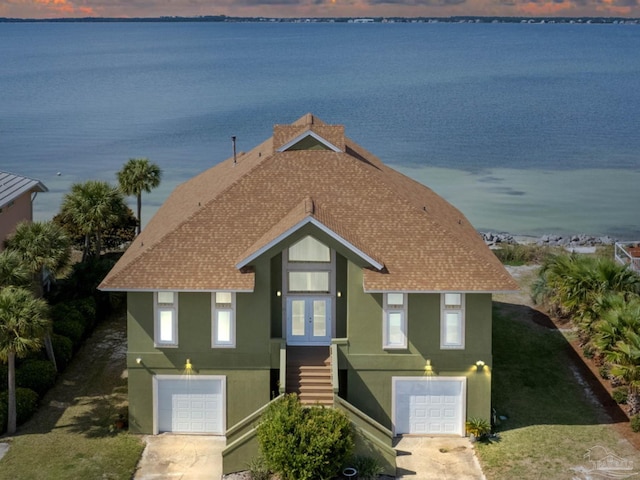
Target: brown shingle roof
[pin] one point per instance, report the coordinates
(212, 222)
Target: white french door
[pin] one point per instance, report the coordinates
(308, 320)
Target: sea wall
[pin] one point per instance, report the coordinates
(494, 239)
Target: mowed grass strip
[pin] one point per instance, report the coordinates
(552, 423)
(72, 436)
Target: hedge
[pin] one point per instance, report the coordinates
(70, 329)
(4, 374)
(63, 350)
(26, 406)
(38, 375)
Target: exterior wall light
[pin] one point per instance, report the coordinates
(279, 293)
(188, 365)
(339, 294)
(139, 360)
(479, 365)
(428, 369)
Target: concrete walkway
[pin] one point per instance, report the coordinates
(4, 448)
(195, 457)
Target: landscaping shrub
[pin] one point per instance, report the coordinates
(604, 371)
(588, 351)
(26, 405)
(520, 254)
(87, 308)
(368, 468)
(82, 283)
(67, 311)
(63, 350)
(635, 423)
(70, 329)
(4, 372)
(38, 375)
(3, 417)
(258, 469)
(620, 394)
(478, 427)
(302, 443)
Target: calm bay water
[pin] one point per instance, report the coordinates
(529, 129)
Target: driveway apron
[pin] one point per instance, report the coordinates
(187, 457)
(194, 457)
(436, 458)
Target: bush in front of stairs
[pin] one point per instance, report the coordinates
(304, 443)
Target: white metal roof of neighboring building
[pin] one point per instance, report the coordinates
(13, 185)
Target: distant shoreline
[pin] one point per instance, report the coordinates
(226, 19)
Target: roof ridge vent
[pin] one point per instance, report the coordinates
(309, 207)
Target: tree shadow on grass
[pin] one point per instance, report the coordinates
(90, 394)
(101, 416)
(539, 377)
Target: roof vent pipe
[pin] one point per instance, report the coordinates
(233, 140)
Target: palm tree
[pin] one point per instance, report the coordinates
(13, 271)
(618, 319)
(136, 176)
(93, 207)
(576, 286)
(625, 358)
(45, 251)
(23, 324)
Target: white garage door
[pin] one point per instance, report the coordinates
(193, 404)
(430, 405)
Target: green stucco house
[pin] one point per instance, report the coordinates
(307, 265)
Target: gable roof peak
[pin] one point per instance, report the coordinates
(307, 120)
(309, 206)
(308, 133)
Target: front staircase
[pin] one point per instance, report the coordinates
(309, 375)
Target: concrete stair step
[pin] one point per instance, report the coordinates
(326, 388)
(323, 399)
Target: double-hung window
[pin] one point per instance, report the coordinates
(452, 321)
(223, 329)
(394, 321)
(166, 319)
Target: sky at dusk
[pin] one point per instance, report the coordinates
(316, 8)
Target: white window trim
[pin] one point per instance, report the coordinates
(386, 311)
(214, 324)
(157, 308)
(461, 311)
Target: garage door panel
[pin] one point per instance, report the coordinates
(190, 405)
(429, 406)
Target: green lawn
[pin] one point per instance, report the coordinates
(551, 422)
(72, 435)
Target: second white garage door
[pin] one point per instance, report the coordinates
(191, 404)
(429, 405)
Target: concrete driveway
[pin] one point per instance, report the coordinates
(187, 457)
(436, 458)
(199, 457)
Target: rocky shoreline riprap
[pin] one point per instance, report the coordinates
(496, 239)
